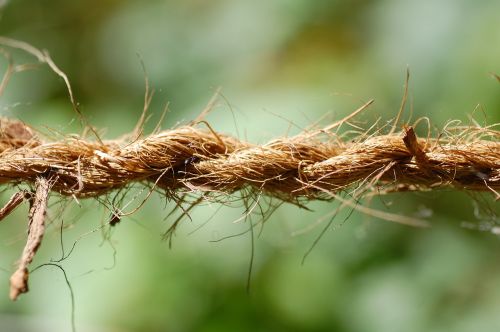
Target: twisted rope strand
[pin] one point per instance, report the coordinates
(189, 158)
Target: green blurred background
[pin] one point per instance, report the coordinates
(278, 62)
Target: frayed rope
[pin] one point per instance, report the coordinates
(190, 158)
(312, 165)
(316, 164)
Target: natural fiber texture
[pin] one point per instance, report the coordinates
(316, 164)
(36, 230)
(313, 165)
(193, 159)
(189, 158)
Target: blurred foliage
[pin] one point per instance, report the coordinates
(282, 65)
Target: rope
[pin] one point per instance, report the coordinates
(192, 159)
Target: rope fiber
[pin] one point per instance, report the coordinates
(193, 159)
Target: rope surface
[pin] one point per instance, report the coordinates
(190, 158)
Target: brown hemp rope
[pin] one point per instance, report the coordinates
(311, 165)
(190, 159)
